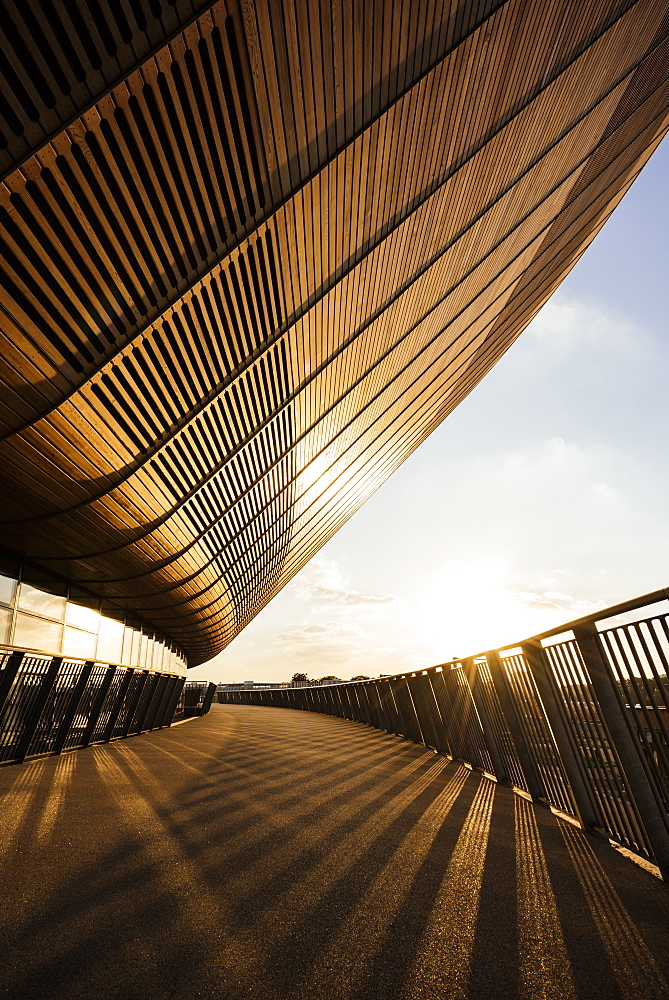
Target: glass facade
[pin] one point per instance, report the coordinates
(39, 613)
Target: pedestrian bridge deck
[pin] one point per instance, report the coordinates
(262, 853)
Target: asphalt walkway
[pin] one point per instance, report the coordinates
(267, 854)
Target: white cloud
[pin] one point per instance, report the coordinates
(345, 649)
(322, 581)
(567, 326)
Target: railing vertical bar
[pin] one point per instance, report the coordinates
(444, 703)
(144, 718)
(375, 699)
(161, 709)
(543, 678)
(417, 686)
(472, 674)
(365, 706)
(438, 727)
(38, 706)
(613, 709)
(400, 690)
(461, 715)
(69, 715)
(535, 785)
(654, 717)
(537, 729)
(178, 688)
(606, 795)
(161, 703)
(395, 724)
(97, 706)
(133, 705)
(9, 673)
(118, 704)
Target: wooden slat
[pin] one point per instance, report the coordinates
(255, 253)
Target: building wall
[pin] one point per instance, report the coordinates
(42, 614)
(252, 257)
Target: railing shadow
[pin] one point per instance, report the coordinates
(262, 854)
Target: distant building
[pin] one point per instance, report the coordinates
(251, 686)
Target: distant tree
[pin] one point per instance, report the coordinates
(360, 677)
(330, 677)
(299, 677)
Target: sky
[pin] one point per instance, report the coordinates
(543, 497)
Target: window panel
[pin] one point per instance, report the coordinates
(78, 643)
(131, 647)
(143, 649)
(110, 641)
(7, 590)
(37, 633)
(5, 623)
(49, 605)
(82, 617)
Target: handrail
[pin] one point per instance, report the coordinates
(53, 703)
(655, 597)
(40, 653)
(581, 723)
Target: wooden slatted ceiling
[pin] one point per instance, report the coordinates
(59, 58)
(246, 282)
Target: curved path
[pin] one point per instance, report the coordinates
(267, 854)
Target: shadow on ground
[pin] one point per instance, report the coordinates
(268, 854)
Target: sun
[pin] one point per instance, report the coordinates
(470, 606)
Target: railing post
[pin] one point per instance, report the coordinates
(438, 713)
(391, 711)
(132, 708)
(11, 669)
(472, 675)
(378, 718)
(464, 750)
(35, 713)
(68, 718)
(152, 690)
(172, 703)
(535, 785)
(542, 673)
(626, 744)
(96, 707)
(384, 715)
(156, 720)
(410, 725)
(118, 704)
(425, 720)
(444, 703)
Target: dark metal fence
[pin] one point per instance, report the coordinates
(578, 717)
(51, 704)
(195, 699)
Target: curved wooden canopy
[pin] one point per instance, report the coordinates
(253, 253)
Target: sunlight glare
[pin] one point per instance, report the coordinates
(470, 607)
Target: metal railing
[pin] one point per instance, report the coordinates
(577, 717)
(195, 699)
(51, 704)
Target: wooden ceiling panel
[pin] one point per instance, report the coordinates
(252, 254)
